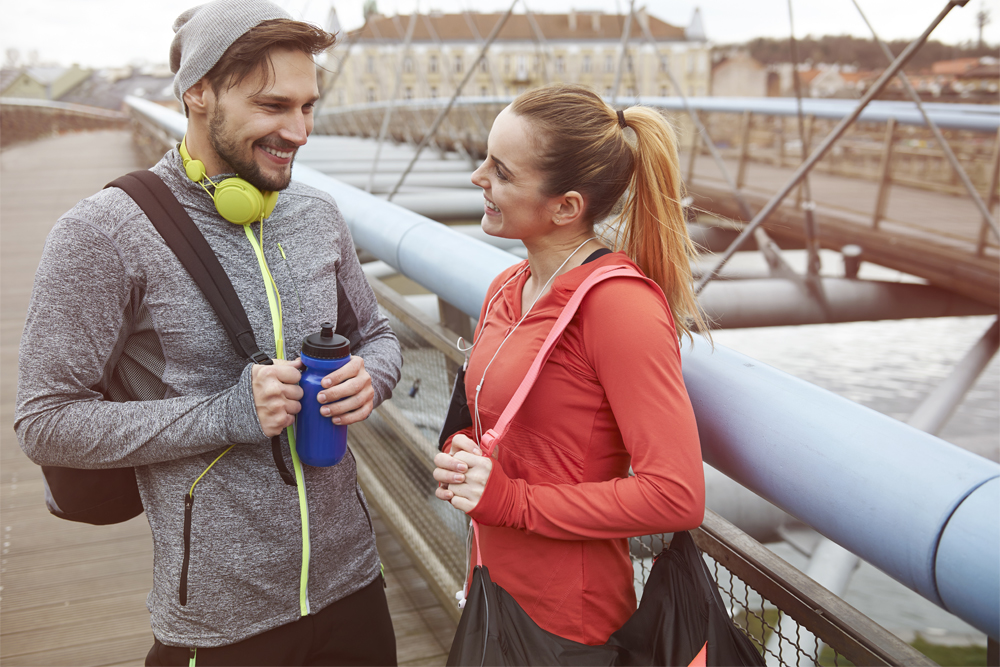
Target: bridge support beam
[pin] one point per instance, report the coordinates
(769, 302)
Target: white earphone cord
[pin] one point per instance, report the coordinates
(477, 425)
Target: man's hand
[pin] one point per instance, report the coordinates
(276, 394)
(347, 396)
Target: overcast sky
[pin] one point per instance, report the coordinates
(101, 33)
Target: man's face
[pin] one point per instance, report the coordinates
(258, 133)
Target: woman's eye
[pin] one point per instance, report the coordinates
(501, 175)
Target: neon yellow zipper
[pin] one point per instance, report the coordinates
(274, 303)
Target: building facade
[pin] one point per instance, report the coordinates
(737, 74)
(530, 50)
(44, 83)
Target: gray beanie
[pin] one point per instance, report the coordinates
(203, 33)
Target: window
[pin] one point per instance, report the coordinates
(432, 64)
(408, 64)
(370, 65)
(434, 92)
(609, 64)
(371, 94)
(458, 64)
(506, 64)
(560, 64)
(664, 63)
(484, 64)
(482, 91)
(408, 93)
(586, 64)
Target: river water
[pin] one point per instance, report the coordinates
(890, 367)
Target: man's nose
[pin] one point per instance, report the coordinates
(296, 128)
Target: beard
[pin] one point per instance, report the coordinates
(228, 148)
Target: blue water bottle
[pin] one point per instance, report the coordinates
(318, 440)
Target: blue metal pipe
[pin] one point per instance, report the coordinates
(881, 489)
(965, 546)
(918, 508)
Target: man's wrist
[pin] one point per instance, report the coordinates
(245, 425)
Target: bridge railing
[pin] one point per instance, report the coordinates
(889, 145)
(29, 119)
(747, 130)
(920, 509)
(757, 586)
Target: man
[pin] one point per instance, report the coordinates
(124, 363)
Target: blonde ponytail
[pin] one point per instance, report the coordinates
(651, 229)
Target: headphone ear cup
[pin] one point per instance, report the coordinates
(238, 202)
(195, 170)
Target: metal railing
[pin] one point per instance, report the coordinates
(28, 119)
(757, 586)
(892, 143)
(747, 130)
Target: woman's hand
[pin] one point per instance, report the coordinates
(462, 474)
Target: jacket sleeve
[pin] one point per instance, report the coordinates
(360, 321)
(641, 378)
(75, 321)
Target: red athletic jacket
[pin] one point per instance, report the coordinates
(560, 502)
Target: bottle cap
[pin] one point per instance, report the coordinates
(325, 344)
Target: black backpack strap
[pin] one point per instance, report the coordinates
(184, 238)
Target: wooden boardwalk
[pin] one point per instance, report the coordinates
(72, 594)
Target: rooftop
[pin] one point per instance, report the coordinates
(474, 27)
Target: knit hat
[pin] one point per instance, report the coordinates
(203, 33)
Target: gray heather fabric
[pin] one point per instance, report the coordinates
(203, 33)
(112, 306)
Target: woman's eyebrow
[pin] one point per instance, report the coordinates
(500, 163)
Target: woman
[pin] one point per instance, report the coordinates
(556, 504)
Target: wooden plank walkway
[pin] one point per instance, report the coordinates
(927, 234)
(72, 594)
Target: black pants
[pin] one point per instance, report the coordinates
(354, 631)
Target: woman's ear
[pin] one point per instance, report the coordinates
(569, 209)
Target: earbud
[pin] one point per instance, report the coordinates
(235, 199)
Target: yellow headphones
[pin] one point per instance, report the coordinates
(235, 199)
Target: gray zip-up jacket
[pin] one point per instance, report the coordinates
(124, 363)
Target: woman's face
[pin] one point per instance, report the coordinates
(515, 206)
